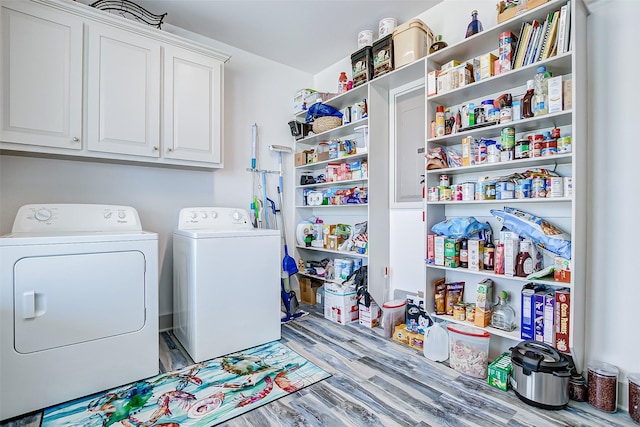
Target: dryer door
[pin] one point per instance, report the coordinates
(61, 300)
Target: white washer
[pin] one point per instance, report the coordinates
(226, 282)
(79, 304)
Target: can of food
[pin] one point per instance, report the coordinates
(538, 187)
(535, 145)
(489, 191)
(555, 186)
(445, 193)
(508, 138)
(564, 144)
(549, 147)
(505, 190)
(433, 194)
(523, 189)
(459, 311)
(506, 154)
(468, 191)
(456, 192)
(365, 38)
(568, 186)
(471, 312)
(444, 181)
(479, 192)
(386, 26)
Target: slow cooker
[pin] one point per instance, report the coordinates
(540, 375)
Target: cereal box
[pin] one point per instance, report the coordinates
(562, 324)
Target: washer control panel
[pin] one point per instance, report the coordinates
(57, 218)
(212, 218)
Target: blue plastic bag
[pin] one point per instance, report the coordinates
(321, 110)
(460, 227)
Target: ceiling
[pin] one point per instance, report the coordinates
(309, 35)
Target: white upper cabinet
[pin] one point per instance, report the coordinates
(41, 75)
(192, 115)
(123, 108)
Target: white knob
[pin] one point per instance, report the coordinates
(75, 139)
(237, 215)
(43, 215)
(121, 215)
(204, 214)
(214, 214)
(107, 215)
(194, 215)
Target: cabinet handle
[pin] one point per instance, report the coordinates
(169, 149)
(75, 139)
(155, 148)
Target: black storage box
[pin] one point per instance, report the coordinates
(382, 52)
(362, 66)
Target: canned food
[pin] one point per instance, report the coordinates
(522, 149)
(433, 194)
(456, 192)
(538, 188)
(445, 194)
(555, 187)
(444, 181)
(506, 154)
(549, 148)
(470, 312)
(490, 191)
(568, 186)
(505, 190)
(535, 145)
(508, 138)
(468, 191)
(523, 189)
(564, 144)
(459, 311)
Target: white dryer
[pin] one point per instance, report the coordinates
(79, 304)
(226, 282)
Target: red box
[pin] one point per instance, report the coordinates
(562, 319)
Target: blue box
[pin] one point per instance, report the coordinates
(549, 318)
(538, 320)
(527, 311)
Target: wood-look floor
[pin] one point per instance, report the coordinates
(377, 382)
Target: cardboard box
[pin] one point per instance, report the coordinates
(484, 294)
(451, 253)
(503, 15)
(431, 254)
(369, 316)
(482, 318)
(432, 82)
(438, 243)
(308, 288)
(449, 65)
(300, 159)
(562, 324)
(527, 311)
(401, 335)
(506, 49)
(340, 303)
(466, 150)
(416, 340)
(566, 94)
(416, 316)
(538, 316)
(554, 85)
(511, 248)
(562, 270)
(549, 318)
(444, 82)
(499, 371)
(475, 250)
(486, 65)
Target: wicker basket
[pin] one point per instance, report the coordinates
(325, 123)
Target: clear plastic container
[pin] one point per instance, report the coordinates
(468, 350)
(393, 314)
(634, 397)
(602, 384)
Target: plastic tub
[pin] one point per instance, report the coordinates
(411, 42)
(602, 384)
(634, 397)
(393, 314)
(468, 350)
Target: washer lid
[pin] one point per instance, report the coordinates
(210, 234)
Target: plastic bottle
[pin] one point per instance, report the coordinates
(342, 82)
(440, 121)
(527, 100)
(540, 104)
(438, 44)
(475, 26)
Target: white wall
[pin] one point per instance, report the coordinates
(256, 91)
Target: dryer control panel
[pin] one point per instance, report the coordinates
(80, 218)
(212, 218)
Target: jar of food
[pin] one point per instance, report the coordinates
(459, 311)
(470, 312)
(522, 149)
(444, 180)
(634, 397)
(489, 191)
(603, 386)
(577, 388)
(494, 115)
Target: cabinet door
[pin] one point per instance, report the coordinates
(192, 128)
(123, 92)
(41, 76)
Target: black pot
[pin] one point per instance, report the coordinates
(540, 375)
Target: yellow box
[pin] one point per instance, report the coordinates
(449, 65)
(486, 65)
(416, 340)
(466, 151)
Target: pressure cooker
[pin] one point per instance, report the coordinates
(540, 375)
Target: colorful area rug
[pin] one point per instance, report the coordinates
(203, 394)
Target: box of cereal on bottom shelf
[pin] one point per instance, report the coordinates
(549, 334)
(527, 311)
(562, 326)
(340, 303)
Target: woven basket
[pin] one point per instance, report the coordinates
(325, 123)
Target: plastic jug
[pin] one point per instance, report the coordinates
(436, 343)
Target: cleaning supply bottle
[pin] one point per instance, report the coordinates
(342, 82)
(475, 26)
(541, 105)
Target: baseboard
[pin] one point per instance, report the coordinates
(165, 322)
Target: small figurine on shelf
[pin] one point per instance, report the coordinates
(475, 26)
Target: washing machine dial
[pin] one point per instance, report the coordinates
(108, 214)
(43, 215)
(194, 215)
(214, 214)
(121, 215)
(237, 215)
(204, 215)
